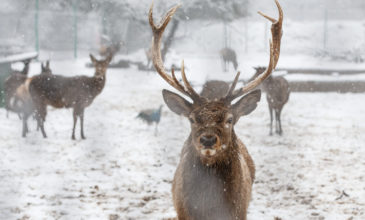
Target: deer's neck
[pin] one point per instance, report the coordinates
(217, 185)
(25, 70)
(267, 82)
(98, 83)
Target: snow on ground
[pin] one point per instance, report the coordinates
(123, 171)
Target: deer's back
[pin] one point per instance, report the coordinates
(60, 91)
(217, 192)
(214, 89)
(228, 54)
(13, 82)
(277, 91)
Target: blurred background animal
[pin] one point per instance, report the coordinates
(277, 95)
(13, 82)
(215, 89)
(22, 102)
(151, 116)
(228, 55)
(76, 92)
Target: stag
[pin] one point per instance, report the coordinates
(12, 82)
(215, 174)
(76, 92)
(22, 102)
(228, 55)
(277, 95)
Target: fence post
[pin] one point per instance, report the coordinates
(246, 34)
(246, 26)
(325, 30)
(75, 7)
(36, 33)
(225, 37)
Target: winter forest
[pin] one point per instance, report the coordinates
(186, 109)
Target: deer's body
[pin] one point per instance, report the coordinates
(228, 56)
(22, 102)
(214, 89)
(67, 92)
(13, 82)
(214, 178)
(197, 188)
(76, 92)
(277, 95)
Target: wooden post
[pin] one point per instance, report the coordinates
(75, 8)
(36, 30)
(325, 30)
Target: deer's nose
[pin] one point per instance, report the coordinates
(208, 140)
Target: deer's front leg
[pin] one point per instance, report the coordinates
(82, 124)
(74, 126)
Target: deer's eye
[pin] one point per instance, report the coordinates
(229, 120)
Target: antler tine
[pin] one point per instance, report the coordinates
(193, 94)
(157, 58)
(276, 32)
(156, 45)
(175, 79)
(233, 86)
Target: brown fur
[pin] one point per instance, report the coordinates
(277, 95)
(214, 89)
(22, 101)
(213, 186)
(76, 92)
(228, 55)
(13, 82)
(215, 175)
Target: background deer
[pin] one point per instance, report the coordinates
(228, 55)
(277, 95)
(13, 82)
(215, 175)
(22, 102)
(215, 89)
(76, 92)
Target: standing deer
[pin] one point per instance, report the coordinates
(228, 55)
(215, 174)
(277, 95)
(22, 101)
(76, 92)
(215, 89)
(12, 82)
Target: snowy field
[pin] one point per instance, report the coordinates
(123, 171)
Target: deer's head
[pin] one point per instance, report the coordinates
(27, 62)
(212, 121)
(46, 69)
(100, 65)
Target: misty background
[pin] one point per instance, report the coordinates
(66, 29)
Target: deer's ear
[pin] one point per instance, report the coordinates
(47, 64)
(246, 104)
(92, 58)
(176, 103)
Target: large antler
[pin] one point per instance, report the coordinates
(276, 32)
(157, 59)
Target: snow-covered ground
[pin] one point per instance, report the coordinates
(123, 171)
